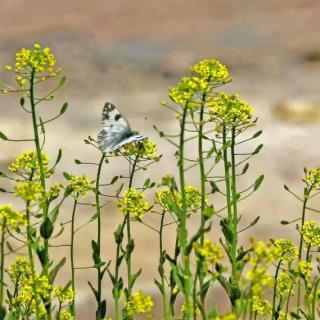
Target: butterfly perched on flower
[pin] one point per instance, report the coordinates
(116, 131)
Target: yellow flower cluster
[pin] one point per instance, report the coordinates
(311, 233)
(55, 189)
(288, 251)
(65, 315)
(64, 295)
(133, 203)
(31, 289)
(39, 59)
(139, 303)
(29, 191)
(262, 307)
(228, 316)
(11, 217)
(260, 279)
(305, 269)
(145, 149)
(212, 70)
(210, 252)
(285, 283)
(80, 185)
(27, 165)
(264, 253)
(193, 198)
(313, 178)
(229, 110)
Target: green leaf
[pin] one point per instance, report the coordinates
(295, 315)
(58, 157)
(67, 175)
(56, 269)
(258, 182)
(102, 309)
(214, 187)
(95, 292)
(77, 161)
(22, 101)
(257, 134)
(208, 212)
(146, 183)
(284, 222)
(63, 108)
(114, 180)
(54, 214)
(46, 229)
(134, 277)
(254, 222)
(3, 190)
(3, 136)
(245, 168)
(62, 82)
(258, 148)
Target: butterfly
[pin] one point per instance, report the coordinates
(116, 131)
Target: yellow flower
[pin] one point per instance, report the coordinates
(133, 203)
(285, 283)
(262, 307)
(212, 70)
(145, 149)
(186, 90)
(305, 269)
(228, 316)
(193, 198)
(64, 294)
(229, 110)
(11, 217)
(65, 315)
(260, 279)
(40, 60)
(313, 178)
(27, 165)
(31, 289)
(80, 185)
(139, 303)
(288, 251)
(55, 189)
(29, 191)
(311, 233)
(209, 251)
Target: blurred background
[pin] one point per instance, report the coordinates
(129, 53)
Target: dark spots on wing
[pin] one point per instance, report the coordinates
(117, 117)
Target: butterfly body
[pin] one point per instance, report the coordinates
(116, 131)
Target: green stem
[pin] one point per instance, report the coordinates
(3, 229)
(30, 256)
(165, 311)
(183, 233)
(99, 276)
(306, 197)
(42, 174)
(203, 197)
(234, 222)
(72, 307)
(275, 290)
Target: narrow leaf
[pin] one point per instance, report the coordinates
(258, 183)
(3, 136)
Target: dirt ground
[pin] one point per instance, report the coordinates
(130, 52)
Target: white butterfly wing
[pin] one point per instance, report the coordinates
(115, 131)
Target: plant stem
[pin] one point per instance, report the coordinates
(3, 229)
(72, 307)
(99, 275)
(274, 290)
(166, 314)
(306, 197)
(183, 233)
(42, 175)
(234, 222)
(203, 201)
